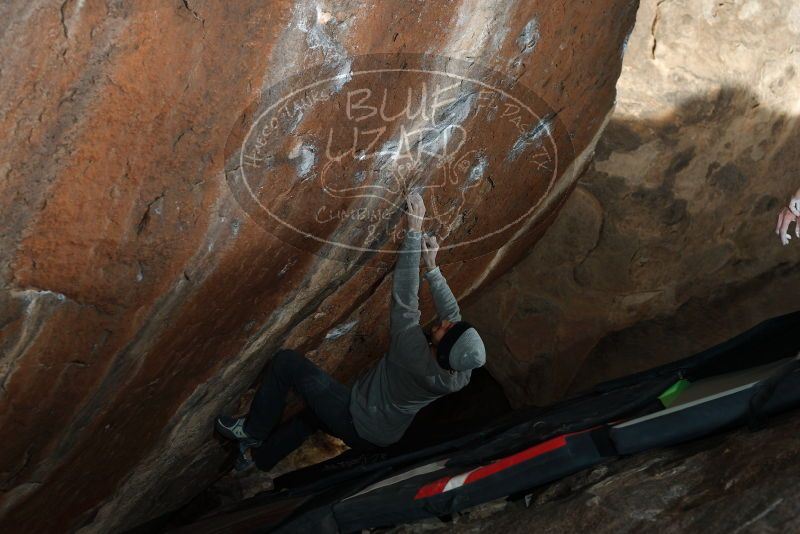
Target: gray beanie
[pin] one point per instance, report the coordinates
(468, 351)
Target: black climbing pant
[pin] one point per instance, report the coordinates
(327, 409)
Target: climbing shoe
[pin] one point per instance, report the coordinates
(243, 463)
(233, 428)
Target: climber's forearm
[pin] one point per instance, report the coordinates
(405, 286)
(443, 298)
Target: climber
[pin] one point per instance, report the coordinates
(382, 403)
(786, 217)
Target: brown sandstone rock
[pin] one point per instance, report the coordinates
(139, 299)
(666, 246)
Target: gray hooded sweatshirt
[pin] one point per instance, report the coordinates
(385, 400)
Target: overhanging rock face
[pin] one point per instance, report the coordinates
(147, 277)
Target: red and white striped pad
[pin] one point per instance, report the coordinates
(449, 483)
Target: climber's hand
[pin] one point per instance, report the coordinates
(416, 211)
(429, 249)
(785, 219)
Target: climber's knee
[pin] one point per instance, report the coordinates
(285, 360)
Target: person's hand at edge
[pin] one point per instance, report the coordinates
(785, 219)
